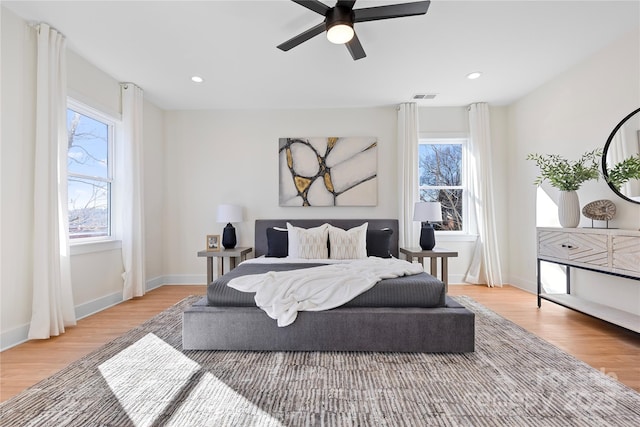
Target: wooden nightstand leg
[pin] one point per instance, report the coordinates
(209, 270)
(445, 273)
(232, 263)
(434, 266)
(220, 266)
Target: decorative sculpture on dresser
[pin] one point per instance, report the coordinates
(600, 210)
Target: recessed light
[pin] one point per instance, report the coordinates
(197, 79)
(425, 96)
(474, 75)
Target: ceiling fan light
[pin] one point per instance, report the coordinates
(340, 33)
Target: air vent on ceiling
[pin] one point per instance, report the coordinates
(424, 96)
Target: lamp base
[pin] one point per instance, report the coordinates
(427, 237)
(229, 237)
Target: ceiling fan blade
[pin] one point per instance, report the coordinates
(355, 48)
(346, 3)
(302, 37)
(314, 5)
(391, 11)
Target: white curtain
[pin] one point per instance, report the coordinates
(52, 307)
(130, 192)
(485, 263)
(408, 170)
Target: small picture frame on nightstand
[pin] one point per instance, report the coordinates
(213, 242)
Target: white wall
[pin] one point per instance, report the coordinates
(18, 104)
(569, 115)
(154, 190)
(215, 157)
(228, 156)
(96, 276)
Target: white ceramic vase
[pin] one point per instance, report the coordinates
(569, 209)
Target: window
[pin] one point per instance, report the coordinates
(89, 172)
(441, 174)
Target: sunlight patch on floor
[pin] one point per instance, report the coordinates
(153, 382)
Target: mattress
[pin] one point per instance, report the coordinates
(419, 290)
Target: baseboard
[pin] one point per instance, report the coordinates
(13, 337)
(457, 279)
(524, 284)
(20, 334)
(154, 283)
(92, 307)
(184, 279)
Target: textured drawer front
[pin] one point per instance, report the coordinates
(553, 244)
(626, 254)
(589, 249)
(613, 251)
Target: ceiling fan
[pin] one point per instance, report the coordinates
(338, 21)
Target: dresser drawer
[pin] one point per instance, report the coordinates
(553, 244)
(591, 250)
(626, 255)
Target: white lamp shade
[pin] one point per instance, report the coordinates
(427, 211)
(229, 213)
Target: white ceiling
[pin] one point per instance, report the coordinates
(159, 45)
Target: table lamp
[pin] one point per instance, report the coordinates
(425, 212)
(229, 214)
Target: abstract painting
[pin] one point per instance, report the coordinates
(328, 171)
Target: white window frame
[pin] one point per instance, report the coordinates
(109, 242)
(468, 222)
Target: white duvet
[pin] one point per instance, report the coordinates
(282, 294)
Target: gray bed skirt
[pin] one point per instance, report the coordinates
(447, 329)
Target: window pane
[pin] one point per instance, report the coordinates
(451, 201)
(88, 145)
(440, 164)
(88, 208)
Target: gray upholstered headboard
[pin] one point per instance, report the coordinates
(260, 247)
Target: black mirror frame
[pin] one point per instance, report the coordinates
(604, 156)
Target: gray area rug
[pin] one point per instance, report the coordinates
(143, 378)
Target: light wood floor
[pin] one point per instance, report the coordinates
(26, 364)
(611, 349)
(606, 347)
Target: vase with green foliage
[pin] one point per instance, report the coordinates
(624, 171)
(567, 176)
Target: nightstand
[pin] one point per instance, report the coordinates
(434, 254)
(232, 254)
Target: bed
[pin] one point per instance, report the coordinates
(406, 314)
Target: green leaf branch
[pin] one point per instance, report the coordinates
(567, 175)
(624, 171)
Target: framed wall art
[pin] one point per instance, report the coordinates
(328, 171)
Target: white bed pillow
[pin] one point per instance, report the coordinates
(308, 243)
(348, 244)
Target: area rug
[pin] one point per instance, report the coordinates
(143, 378)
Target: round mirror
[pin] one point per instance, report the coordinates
(621, 158)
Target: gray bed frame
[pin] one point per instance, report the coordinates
(449, 329)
